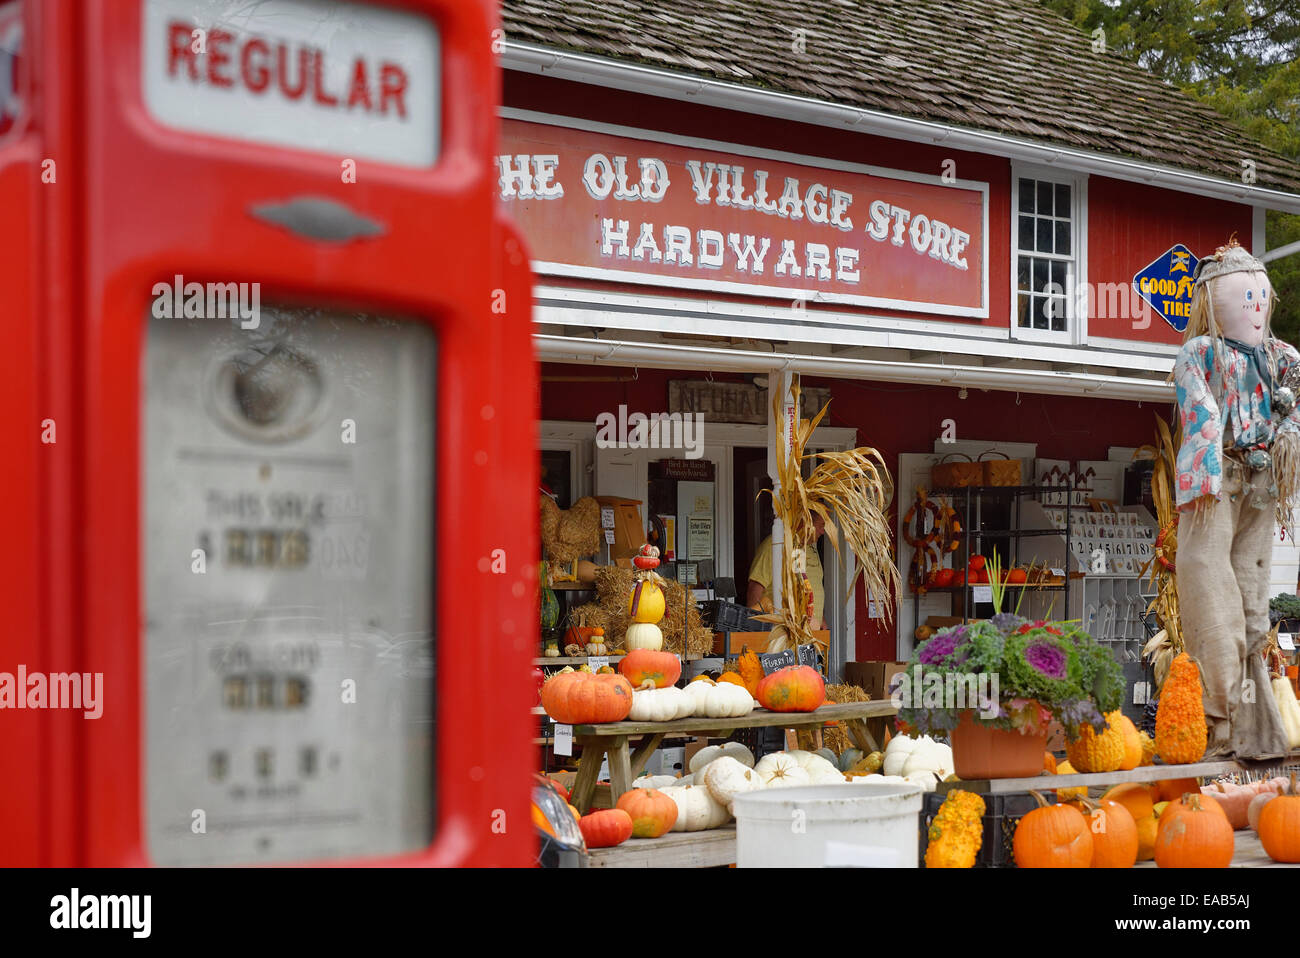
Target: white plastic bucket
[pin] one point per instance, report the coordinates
(828, 825)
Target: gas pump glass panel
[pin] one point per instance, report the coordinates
(356, 80)
(288, 587)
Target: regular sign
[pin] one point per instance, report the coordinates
(354, 80)
(669, 211)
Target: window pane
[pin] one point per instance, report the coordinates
(1044, 199)
(1044, 236)
(1040, 275)
(1022, 310)
(1058, 276)
(1063, 237)
(1024, 272)
(1059, 315)
(1062, 199)
(1026, 196)
(1026, 232)
(1040, 312)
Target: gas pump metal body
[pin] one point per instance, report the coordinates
(433, 611)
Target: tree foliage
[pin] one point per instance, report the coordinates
(1242, 57)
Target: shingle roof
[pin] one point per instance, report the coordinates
(1005, 66)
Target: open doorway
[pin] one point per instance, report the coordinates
(752, 519)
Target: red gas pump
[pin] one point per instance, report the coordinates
(271, 484)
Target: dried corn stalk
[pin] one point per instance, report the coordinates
(1168, 642)
(850, 490)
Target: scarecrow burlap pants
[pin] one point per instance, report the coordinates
(1225, 556)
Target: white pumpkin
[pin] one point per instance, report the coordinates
(928, 756)
(723, 700)
(818, 767)
(878, 779)
(739, 751)
(643, 635)
(824, 775)
(710, 753)
(659, 705)
(725, 778)
(656, 781)
(780, 770)
(696, 809)
(896, 753)
(926, 780)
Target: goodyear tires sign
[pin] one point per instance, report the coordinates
(1165, 285)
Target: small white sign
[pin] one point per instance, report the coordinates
(596, 662)
(983, 593)
(1139, 693)
(348, 79)
(1285, 641)
(563, 739)
(873, 610)
(1058, 572)
(607, 517)
(609, 536)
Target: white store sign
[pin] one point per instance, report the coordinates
(354, 80)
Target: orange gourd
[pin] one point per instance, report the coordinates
(1194, 833)
(734, 678)
(1181, 732)
(1052, 836)
(1137, 798)
(1115, 842)
(581, 698)
(1132, 744)
(1049, 763)
(751, 669)
(1279, 826)
(658, 669)
(1069, 794)
(1091, 752)
(652, 812)
(795, 688)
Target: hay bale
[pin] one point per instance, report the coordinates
(614, 585)
(570, 534)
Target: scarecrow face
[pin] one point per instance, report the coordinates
(1242, 302)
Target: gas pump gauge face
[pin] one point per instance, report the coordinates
(289, 637)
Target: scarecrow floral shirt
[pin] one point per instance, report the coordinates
(1218, 407)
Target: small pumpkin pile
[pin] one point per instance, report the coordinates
(1242, 803)
(1119, 748)
(914, 761)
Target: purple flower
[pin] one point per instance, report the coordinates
(938, 648)
(1046, 658)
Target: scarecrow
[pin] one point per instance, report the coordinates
(1237, 477)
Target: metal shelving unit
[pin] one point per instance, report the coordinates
(974, 496)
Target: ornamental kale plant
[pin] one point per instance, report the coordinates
(1011, 673)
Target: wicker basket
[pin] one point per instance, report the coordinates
(944, 474)
(1000, 472)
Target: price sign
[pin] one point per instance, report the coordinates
(609, 536)
(597, 662)
(607, 517)
(983, 593)
(1058, 572)
(801, 655)
(688, 573)
(1286, 641)
(563, 739)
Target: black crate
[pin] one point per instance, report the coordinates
(723, 615)
(1001, 815)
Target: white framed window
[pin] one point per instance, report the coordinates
(1048, 255)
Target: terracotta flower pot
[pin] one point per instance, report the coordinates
(980, 751)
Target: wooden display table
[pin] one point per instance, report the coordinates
(626, 763)
(707, 849)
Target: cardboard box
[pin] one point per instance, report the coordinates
(873, 677)
(757, 641)
(629, 532)
(667, 761)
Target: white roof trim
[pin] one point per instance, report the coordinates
(1006, 378)
(638, 78)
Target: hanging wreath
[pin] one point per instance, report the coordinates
(950, 537)
(925, 505)
(924, 558)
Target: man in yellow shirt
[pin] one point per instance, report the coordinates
(760, 575)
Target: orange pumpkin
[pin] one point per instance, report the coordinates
(1194, 833)
(1279, 827)
(1172, 789)
(1114, 833)
(581, 698)
(660, 669)
(607, 827)
(795, 688)
(1137, 798)
(652, 812)
(1052, 836)
(1132, 744)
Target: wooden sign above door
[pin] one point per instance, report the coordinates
(734, 402)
